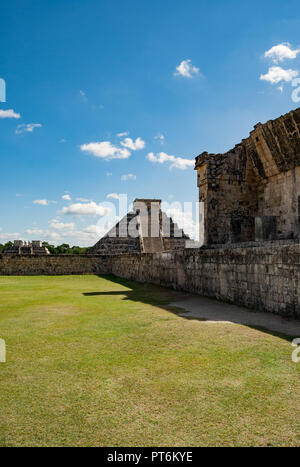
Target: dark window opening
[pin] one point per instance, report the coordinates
(236, 230)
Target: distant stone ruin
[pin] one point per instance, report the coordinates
(147, 229)
(26, 248)
(252, 192)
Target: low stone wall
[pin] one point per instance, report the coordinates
(263, 278)
(51, 265)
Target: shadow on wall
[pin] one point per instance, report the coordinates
(195, 307)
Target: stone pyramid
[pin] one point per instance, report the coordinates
(145, 230)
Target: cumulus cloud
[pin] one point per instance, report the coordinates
(133, 145)
(66, 197)
(58, 225)
(281, 52)
(9, 236)
(184, 219)
(27, 128)
(43, 202)
(83, 200)
(10, 113)
(186, 69)
(86, 209)
(175, 162)
(34, 231)
(105, 150)
(91, 229)
(59, 232)
(276, 74)
(113, 195)
(126, 177)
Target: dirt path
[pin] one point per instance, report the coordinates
(218, 312)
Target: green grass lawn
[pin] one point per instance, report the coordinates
(97, 361)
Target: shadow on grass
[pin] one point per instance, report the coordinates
(210, 309)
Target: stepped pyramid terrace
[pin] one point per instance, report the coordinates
(147, 229)
(20, 247)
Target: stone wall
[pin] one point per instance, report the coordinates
(258, 178)
(31, 265)
(263, 278)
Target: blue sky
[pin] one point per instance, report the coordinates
(179, 77)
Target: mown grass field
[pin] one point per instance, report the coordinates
(96, 361)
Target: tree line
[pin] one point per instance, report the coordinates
(63, 249)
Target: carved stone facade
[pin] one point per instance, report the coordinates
(145, 230)
(252, 192)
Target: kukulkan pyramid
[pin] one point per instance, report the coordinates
(147, 229)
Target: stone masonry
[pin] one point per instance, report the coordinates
(264, 278)
(23, 248)
(252, 192)
(52, 265)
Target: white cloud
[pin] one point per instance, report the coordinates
(10, 236)
(276, 74)
(10, 113)
(83, 200)
(121, 135)
(281, 52)
(184, 219)
(160, 137)
(175, 162)
(128, 177)
(34, 231)
(108, 174)
(27, 128)
(66, 197)
(113, 196)
(43, 202)
(105, 150)
(186, 69)
(19, 195)
(91, 229)
(133, 145)
(86, 209)
(83, 95)
(57, 225)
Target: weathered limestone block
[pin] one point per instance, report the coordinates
(53, 265)
(260, 177)
(243, 276)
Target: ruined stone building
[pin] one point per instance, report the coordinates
(26, 248)
(252, 192)
(147, 229)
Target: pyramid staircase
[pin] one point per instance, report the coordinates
(130, 235)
